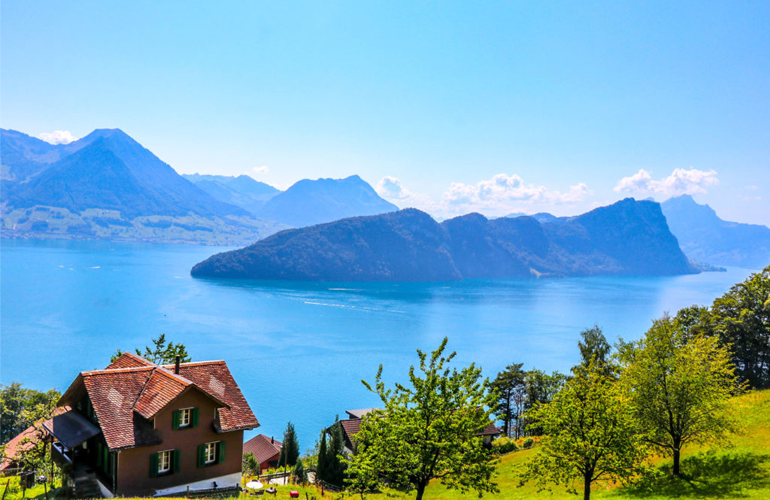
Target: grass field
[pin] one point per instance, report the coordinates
(740, 471)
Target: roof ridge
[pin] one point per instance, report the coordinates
(212, 362)
(118, 370)
(175, 376)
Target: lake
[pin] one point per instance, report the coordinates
(300, 350)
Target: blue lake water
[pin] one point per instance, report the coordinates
(299, 350)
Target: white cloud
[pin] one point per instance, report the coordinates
(680, 182)
(394, 191)
(261, 170)
(500, 195)
(57, 137)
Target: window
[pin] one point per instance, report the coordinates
(184, 417)
(164, 462)
(210, 453)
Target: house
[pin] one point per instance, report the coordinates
(145, 429)
(266, 451)
(351, 426)
(24, 441)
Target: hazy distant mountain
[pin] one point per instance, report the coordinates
(542, 217)
(705, 237)
(628, 238)
(106, 185)
(311, 202)
(242, 191)
(23, 155)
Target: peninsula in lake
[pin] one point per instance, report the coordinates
(629, 237)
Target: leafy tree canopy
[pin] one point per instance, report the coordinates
(678, 387)
(21, 407)
(511, 391)
(591, 434)
(428, 430)
(160, 352)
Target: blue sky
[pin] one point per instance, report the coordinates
(512, 106)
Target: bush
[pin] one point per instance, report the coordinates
(504, 445)
(528, 443)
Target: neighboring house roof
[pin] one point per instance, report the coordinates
(360, 413)
(490, 430)
(132, 390)
(263, 448)
(350, 428)
(16, 445)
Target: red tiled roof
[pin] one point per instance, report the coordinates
(133, 390)
(161, 388)
(128, 360)
(262, 448)
(214, 378)
(15, 445)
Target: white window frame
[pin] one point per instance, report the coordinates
(164, 462)
(185, 417)
(210, 454)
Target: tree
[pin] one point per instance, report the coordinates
(678, 387)
(541, 389)
(335, 463)
(511, 392)
(321, 468)
(21, 407)
(250, 464)
(594, 346)
(160, 352)
(429, 428)
(290, 449)
(300, 475)
(590, 434)
(741, 319)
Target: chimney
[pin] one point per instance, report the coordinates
(272, 440)
(176, 365)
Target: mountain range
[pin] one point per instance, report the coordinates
(705, 237)
(108, 186)
(627, 238)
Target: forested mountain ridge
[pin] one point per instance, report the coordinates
(627, 238)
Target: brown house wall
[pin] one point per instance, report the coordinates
(134, 464)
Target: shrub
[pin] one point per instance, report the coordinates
(528, 443)
(504, 445)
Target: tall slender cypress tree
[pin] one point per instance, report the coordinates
(322, 468)
(290, 448)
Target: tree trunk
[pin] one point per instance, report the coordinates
(420, 491)
(586, 487)
(676, 461)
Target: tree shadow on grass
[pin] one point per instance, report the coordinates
(707, 475)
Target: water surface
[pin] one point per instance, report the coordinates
(299, 350)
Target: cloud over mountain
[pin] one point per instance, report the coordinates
(58, 137)
(680, 182)
(499, 195)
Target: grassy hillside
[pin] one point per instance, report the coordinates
(739, 471)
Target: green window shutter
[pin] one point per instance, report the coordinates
(201, 455)
(194, 417)
(221, 452)
(98, 454)
(106, 459)
(154, 465)
(175, 420)
(175, 459)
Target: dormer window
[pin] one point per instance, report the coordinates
(184, 418)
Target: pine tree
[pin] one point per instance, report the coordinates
(321, 472)
(335, 466)
(290, 449)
